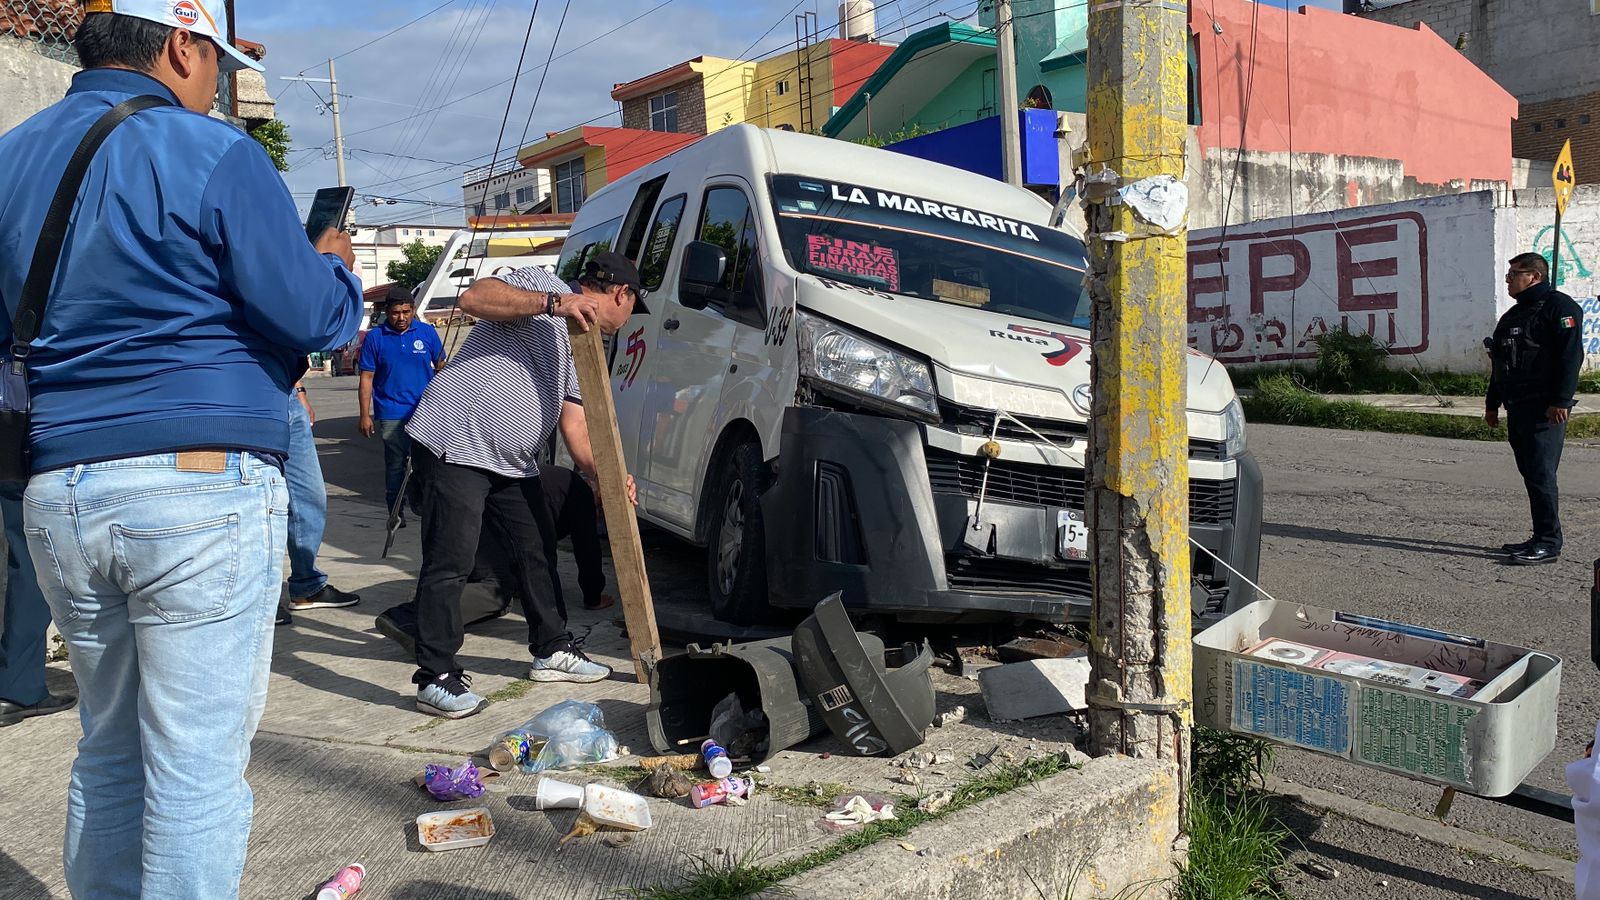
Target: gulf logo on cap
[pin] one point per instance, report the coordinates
(186, 13)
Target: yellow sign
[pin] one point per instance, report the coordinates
(1566, 180)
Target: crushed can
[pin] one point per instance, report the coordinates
(510, 751)
(714, 792)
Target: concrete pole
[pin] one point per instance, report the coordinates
(1005, 36)
(338, 128)
(1141, 687)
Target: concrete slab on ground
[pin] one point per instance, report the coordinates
(1446, 406)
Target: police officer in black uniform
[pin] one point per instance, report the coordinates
(1537, 350)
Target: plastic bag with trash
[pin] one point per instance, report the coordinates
(445, 783)
(571, 733)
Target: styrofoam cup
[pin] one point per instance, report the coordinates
(555, 794)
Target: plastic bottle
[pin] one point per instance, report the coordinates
(717, 761)
(344, 885)
(710, 793)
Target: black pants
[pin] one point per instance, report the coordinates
(455, 500)
(1537, 446)
(571, 503)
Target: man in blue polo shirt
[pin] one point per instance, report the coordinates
(397, 361)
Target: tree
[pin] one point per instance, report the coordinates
(274, 136)
(417, 266)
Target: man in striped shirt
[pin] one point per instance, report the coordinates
(477, 433)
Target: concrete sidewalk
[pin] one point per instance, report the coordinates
(341, 741)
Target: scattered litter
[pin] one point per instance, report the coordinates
(934, 802)
(919, 759)
(344, 885)
(615, 841)
(687, 762)
(744, 734)
(665, 782)
(616, 809)
(553, 794)
(908, 778)
(716, 758)
(909, 848)
(826, 755)
(1383, 882)
(941, 757)
(445, 783)
(584, 827)
(856, 810)
(1325, 872)
(736, 801)
(980, 760)
(455, 829)
(924, 852)
(714, 792)
(953, 717)
(567, 734)
(765, 770)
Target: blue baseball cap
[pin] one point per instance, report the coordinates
(208, 18)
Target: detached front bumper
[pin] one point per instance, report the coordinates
(861, 506)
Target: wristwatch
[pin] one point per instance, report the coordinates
(551, 299)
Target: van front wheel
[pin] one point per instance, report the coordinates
(736, 561)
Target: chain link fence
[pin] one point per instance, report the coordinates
(44, 26)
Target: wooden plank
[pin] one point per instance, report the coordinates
(622, 526)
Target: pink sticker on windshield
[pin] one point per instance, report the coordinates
(853, 258)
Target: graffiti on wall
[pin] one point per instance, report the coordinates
(1572, 263)
(1257, 297)
(1591, 325)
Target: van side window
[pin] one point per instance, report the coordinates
(728, 222)
(633, 226)
(658, 249)
(581, 247)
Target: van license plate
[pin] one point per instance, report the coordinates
(1072, 535)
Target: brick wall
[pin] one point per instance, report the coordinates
(1544, 127)
(691, 107)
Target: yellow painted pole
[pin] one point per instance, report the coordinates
(1141, 692)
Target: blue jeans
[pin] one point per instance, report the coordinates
(27, 618)
(396, 450)
(308, 505)
(164, 584)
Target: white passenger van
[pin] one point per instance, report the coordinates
(834, 334)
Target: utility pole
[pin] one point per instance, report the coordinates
(338, 128)
(1141, 687)
(1005, 36)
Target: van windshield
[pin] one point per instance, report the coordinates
(930, 249)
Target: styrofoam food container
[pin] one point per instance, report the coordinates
(617, 809)
(455, 829)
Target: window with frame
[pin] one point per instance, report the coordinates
(658, 246)
(568, 185)
(477, 209)
(524, 195)
(581, 247)
(726, 220)
(664, 112)
(502, 201)
(781, 88)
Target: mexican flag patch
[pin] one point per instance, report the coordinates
(1569, 322)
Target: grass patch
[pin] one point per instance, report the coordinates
(1391, 381)
(1235, 838)
(1278, 400)
(739, 876)
(814, 793)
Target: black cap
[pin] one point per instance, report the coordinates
(611, 267)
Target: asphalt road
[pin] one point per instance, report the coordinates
(1384, 525)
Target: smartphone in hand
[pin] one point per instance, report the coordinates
(330, 209)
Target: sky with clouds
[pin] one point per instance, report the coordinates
(424, 104)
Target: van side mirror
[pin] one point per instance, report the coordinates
(703, 267)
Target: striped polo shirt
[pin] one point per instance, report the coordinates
(498, 401)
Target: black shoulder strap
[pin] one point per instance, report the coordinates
(47, 253)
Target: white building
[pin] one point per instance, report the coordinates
(508, 190)
(377, 246)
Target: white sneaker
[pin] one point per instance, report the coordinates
(568, 665)
(450, 696)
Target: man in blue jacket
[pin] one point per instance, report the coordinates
(398, 359)
(185, 301)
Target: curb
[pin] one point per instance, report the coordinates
(1430, 830)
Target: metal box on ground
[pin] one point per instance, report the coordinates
(1448, 709)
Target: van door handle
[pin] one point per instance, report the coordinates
(670, 325)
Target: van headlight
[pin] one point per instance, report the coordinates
(837, 359)
(1233, 430)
